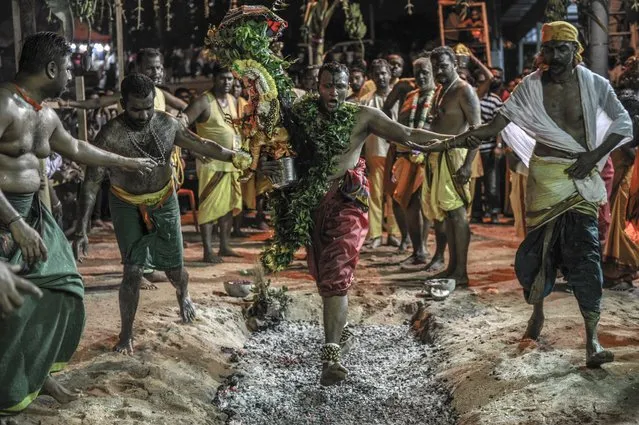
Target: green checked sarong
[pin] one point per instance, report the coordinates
(42, 335)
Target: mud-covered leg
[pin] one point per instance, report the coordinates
(536, 322)
(179, 278)
(415, 224)
(437, 262)
(129, 297)
(206, 230)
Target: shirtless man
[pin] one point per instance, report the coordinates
(341, 225)
(558, 104)
(39, 336)
(454, 108)
(146, 216)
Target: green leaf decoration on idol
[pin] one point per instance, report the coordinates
(319, 142)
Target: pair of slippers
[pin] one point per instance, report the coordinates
(439, 289)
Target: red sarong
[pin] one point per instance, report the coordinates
(341, 225)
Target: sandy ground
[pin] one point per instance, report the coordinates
(494, 378)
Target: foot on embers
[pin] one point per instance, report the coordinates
(228, 252)
(187, 309)
(209, 257)
(332, 370)
(535, 325)
(124, 346)
(147, 285)
(403, 246)
(54, 389)
(374, 243)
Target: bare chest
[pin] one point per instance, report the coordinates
(155, 142)
(563, 105)
(447, 116)
(28, 133)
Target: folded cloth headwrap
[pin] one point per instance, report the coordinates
(562, 31)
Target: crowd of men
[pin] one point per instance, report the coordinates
(440, 149)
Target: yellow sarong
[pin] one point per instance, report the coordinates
(220, 192)
(550, 192)
(440, 193)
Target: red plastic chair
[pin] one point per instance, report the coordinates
(191, 196)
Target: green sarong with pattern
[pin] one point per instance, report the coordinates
(42, 335)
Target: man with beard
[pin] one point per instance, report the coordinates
(396, 64)
(455, 107)
(328, 123)
(406, 176)
(145, 212)
(357, 80)
(149, 62)
(375, 151)
(39, 337)
(558, 106)
(216, 115)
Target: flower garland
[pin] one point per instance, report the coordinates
(319, 142)
(424, 113)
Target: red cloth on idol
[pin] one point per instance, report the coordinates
(340, 227)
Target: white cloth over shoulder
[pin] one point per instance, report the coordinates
(603, 115)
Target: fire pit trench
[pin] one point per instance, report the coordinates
(391, 380)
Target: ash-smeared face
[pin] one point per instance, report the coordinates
(333, 88)
(558, 55)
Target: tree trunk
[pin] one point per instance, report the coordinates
(598, 43)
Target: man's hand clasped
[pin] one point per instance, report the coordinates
(13, 288)
(585, 163)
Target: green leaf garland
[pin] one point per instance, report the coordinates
(319, 141)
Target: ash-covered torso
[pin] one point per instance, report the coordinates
(25, 140)
(155, 141)
(563, 105)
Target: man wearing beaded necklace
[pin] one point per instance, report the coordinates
(145, 212)
(407, 168)
(340, 220)
(216, 114)
(455, 107)
(39, 337)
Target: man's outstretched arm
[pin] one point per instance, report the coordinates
(382, 126)
(188, 140)
(84, 153)
(472, 138)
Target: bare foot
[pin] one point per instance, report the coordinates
(435, 265)
(187, 309)
(622, 286)
(403, 246)
(53, 388)
(332, 373)
(146, 285)
(461, 279)
(444, 274)
(213, 259)
(228, 252)
(374, 243)
(8, 421)
(393, 241)
(596, 355)
(155, 277)
(535, 325)
(124, 346)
